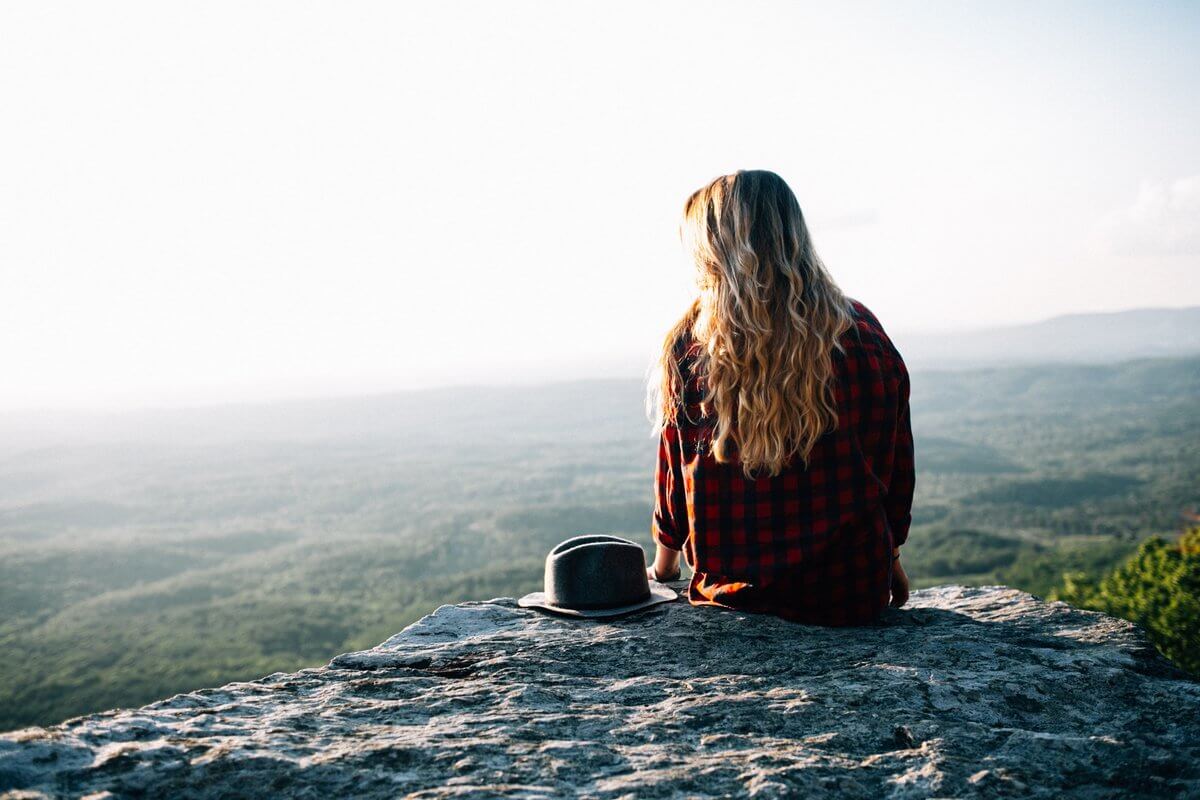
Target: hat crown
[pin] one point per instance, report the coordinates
(595, 572)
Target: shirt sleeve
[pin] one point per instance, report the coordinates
(669, 525)
(900, 490)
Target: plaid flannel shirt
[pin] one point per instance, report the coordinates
(811, 543)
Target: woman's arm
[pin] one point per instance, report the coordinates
(669, 525)
(903, 480)
(900, 491)
(899, 583)
(666, 564)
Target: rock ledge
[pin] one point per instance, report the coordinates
(967, 692)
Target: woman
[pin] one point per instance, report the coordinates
(785, 461)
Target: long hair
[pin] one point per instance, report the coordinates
(767, 320)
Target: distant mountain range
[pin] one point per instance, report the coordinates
(616, 387)
(1072, 338)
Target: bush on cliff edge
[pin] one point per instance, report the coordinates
(1158, 588)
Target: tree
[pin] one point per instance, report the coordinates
(1158, 588)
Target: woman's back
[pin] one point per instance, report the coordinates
(785, 469)
(813, 542)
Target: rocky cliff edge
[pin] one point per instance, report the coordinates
(967, 692)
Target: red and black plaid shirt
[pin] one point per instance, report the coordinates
(810, 544)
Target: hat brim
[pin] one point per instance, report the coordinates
(658, 594)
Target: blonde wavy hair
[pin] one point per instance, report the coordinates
(768, 319)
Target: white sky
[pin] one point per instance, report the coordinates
(215, 201)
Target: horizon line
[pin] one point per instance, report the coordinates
(619, 361)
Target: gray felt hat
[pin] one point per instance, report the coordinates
(597, 576)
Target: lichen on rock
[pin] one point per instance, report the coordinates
(967, 692)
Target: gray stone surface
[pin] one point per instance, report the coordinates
(985, 692)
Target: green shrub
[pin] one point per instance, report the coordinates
(1158, 588)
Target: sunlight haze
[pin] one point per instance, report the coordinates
(226, 201)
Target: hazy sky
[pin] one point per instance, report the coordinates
(211, 201)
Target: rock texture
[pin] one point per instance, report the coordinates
(984, 692)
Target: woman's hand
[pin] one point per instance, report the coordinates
(654, 577)
(666, 564)
(899, 584)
